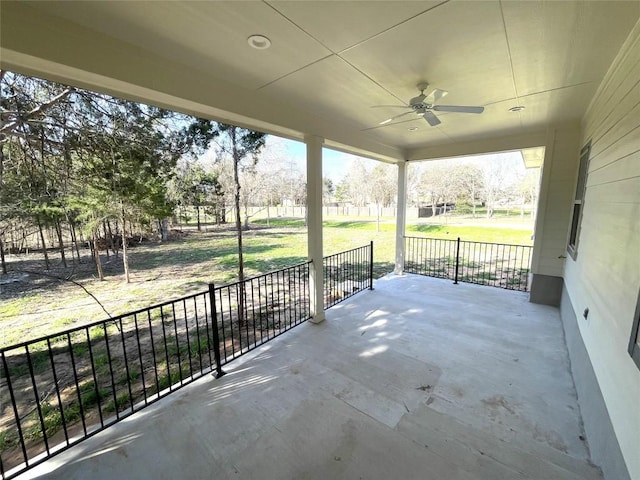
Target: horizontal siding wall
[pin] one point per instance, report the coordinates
(556, 191)
(605, 277)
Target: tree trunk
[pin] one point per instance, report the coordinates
(52, 238)
(378, 218)
(73, 253)
(61, 243)
(74, 239)
(236, 178)
(74, 244)
(96, 257)
(4, 265)
(473, 199)
(246, 218)
(125, 257)
(44, 246)
(1, 159)
(114, 245)
(198, 216)
(23, 242)
(108, 238)
(164, 229)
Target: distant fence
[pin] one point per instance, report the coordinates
(57, 390)
(493, 264)
(328, 211)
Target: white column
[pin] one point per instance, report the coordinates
(401, 215)
(314, 226)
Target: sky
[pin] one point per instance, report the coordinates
(336, 164)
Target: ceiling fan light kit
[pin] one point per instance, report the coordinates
(424, 106)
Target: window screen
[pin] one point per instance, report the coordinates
(634, 343)
(578, 201)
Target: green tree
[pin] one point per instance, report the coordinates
(30, 140)
(125, 164)
(194, 187)
(70, 158)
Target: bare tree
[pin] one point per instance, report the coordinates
(382, 188)
(469, 178)
(242, 145)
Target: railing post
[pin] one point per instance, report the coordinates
(216, 337)
(371, 265)
(455, 281)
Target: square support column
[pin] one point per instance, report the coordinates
(401, 216)
(314, 227)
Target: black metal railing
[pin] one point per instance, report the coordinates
(494, 264)
(59, 389)
(347, 273)
(254, 311)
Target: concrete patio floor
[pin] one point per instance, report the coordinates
(418, 379)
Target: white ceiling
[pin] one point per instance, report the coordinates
(330, 62)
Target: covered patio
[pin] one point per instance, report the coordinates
(419, 378)
(556, 80)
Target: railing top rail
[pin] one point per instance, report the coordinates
(100, 322)
(347, 251)
(494, 243)
(158, 305)
(431, 238)
(467, 241)
(117, 318)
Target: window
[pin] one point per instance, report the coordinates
(578, 201)
(634, 343)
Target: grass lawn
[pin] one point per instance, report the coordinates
(36, 306)
(341, 234)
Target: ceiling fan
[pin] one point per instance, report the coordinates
(424, 106)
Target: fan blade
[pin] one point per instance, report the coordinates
(390, 106)
(431, 119)
(388, 120)
(436, 95)
(458, 109)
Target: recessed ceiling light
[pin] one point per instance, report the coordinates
(412, 129)
(259, 42)
(517, 108)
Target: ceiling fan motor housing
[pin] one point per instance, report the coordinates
(417, 101)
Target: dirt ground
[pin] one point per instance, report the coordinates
(36, 302)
